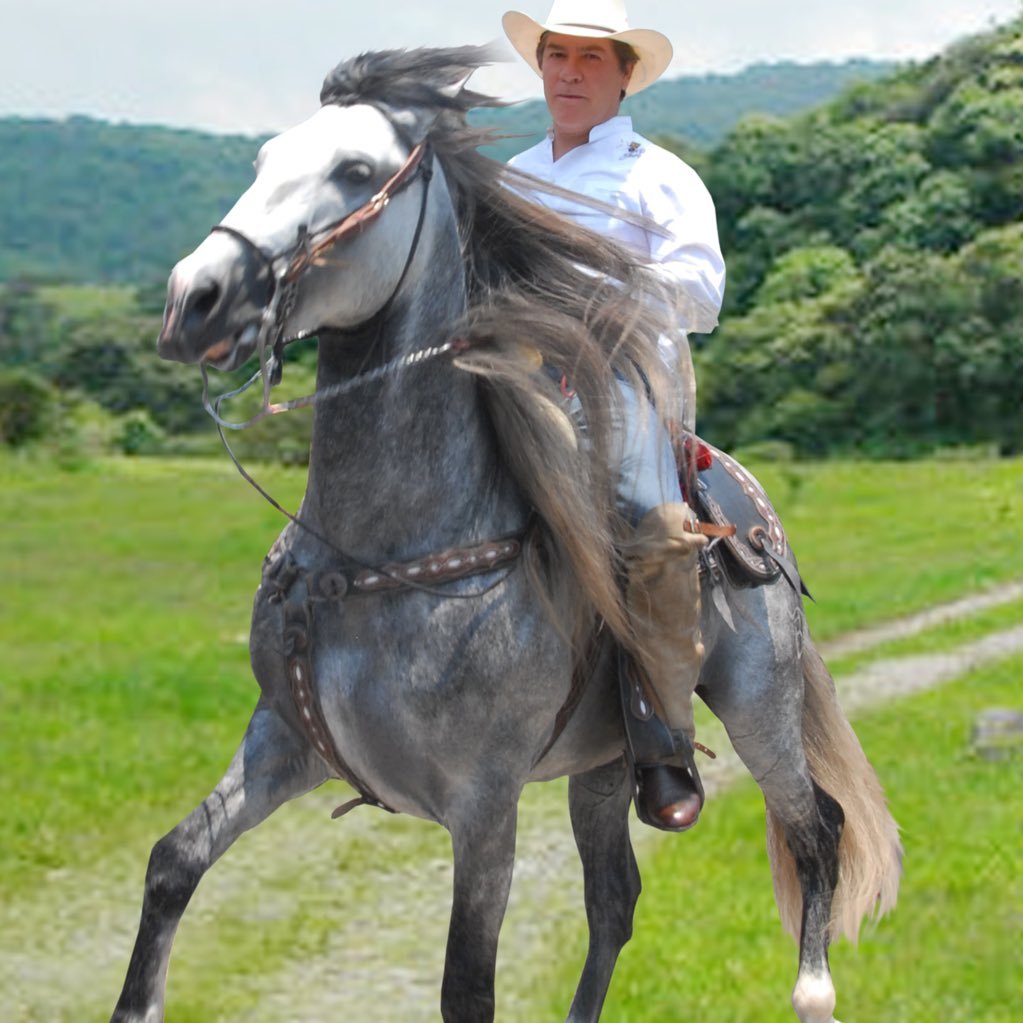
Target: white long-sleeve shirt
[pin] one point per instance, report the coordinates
(623, 169)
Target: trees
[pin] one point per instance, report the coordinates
(87, 349)
(875, 264)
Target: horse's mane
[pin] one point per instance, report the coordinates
(539, 287)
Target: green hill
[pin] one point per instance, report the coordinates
(86, 201)
(874, 246)
(701, 110)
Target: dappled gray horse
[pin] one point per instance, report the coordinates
(438, 624)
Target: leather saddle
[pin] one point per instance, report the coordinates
(723, 492)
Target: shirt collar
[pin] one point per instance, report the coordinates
(617, 125)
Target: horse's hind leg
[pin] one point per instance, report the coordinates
(599, 806)
(761, 709)
(814, 846)
(811, 823)
(272, 765)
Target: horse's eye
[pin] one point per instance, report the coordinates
(356, 172)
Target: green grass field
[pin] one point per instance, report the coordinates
(124, 623)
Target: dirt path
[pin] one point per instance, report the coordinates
(63, 949)
(912, 625)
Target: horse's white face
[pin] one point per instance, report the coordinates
(312, 175)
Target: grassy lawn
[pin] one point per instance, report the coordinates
(126, 688)
(124, 623)
(707, 942)
(129, 583)
(881, 540)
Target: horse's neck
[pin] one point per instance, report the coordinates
(411, 460)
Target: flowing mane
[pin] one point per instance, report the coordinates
(541, 289)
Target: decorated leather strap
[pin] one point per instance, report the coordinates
(456, 563)
(297, 640)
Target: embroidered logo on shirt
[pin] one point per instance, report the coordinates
(635, 149)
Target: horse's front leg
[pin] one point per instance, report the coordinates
(483, 843)
(272, 765)
(599, 806)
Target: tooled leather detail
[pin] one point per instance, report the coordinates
(297, 627)
(755, 492)
(280, 571)
(727, 493)
(456, 563)
(298, 590)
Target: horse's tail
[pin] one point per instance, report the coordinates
(870, 853)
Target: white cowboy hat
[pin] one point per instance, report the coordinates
(593, 19)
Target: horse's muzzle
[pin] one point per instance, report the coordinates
(215, 299)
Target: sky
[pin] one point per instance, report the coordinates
(254, 66)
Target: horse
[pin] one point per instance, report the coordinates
(438, 623)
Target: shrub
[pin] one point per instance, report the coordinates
(139, 434)
(26, 404)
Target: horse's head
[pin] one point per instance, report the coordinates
(310, 236)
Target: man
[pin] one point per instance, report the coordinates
(590, 60)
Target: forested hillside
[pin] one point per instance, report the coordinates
(89, 202)
(875, 251)
(874, 246)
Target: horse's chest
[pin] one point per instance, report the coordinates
(408, 692)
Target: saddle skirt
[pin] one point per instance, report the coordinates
(724, 493)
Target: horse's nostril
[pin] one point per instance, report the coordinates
(206, 301)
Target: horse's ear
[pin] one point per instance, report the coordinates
(453, 91)
(414, 123)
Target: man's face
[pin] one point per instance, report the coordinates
(582, 82)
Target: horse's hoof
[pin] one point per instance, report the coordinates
(814, 999)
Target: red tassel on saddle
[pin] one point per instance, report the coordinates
(691, 456)
(697, 453)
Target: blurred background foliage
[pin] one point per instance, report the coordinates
(874, 244)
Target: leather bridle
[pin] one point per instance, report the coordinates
(286, 269)
(308, 248)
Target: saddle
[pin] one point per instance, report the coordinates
(724, 493)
